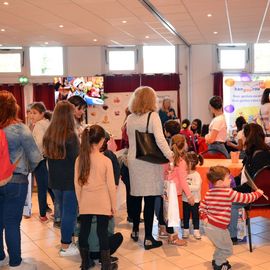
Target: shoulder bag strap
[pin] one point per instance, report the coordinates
(148, 119)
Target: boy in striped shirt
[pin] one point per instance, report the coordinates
(215, 211)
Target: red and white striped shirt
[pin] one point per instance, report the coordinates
(217, 203)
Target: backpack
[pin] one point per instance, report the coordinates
(7, 168)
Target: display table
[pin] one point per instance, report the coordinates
(235, 169)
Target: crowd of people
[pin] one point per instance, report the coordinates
(71, 161)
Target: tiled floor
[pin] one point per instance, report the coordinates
(40, 245)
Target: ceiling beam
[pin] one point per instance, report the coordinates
(151, 8)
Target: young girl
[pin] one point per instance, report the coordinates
(179, 175)
(96, 194)
(40, 125)
(61, 147)
(194, 182)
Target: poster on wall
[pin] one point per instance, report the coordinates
(111, 115)
(242, 96)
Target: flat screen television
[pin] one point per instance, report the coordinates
(91, 89)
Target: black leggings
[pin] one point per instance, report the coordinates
(148, 214)
(102, 231)
(194, 210)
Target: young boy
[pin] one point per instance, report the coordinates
(171, 127)
(215, 210)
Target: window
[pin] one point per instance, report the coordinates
(261, 57)
(10, 60)
(233, 58)
(46, 61)
(121, 59)
(159, 59)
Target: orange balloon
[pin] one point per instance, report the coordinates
(267, 84)
(230, 82)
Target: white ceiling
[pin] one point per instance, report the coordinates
(34, 22)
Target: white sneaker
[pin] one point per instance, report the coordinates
(186, 233)
(4, 262)
(23, 266)
(72, 250)
(197, 234)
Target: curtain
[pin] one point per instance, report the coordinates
(121, 83)
(218, 84)
(18, 91)
(45, 93)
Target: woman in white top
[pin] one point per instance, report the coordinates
(265, 114)
(217, 135)
(41, 124)
(146, 179)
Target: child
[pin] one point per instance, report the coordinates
(185, 130)
(215, 210)
(179, 175)
(194, 182)
(171, 127)
(40, 125)
(94, 182)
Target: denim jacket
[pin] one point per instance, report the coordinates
(21, 145)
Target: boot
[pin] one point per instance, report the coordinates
(87, 262)
(106, 261)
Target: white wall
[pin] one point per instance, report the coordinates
(195, 66)
(202, 67)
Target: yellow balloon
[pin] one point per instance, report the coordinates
(230, 82)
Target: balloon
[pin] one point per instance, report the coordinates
(229, 108)
(230, 82)
(245, 77)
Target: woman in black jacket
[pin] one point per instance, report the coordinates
(257, 156)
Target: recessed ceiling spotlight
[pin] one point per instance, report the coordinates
(3, 30)
(1, 45)
(146, 36)
(61, 25)
(209, 15)
(46, 43)
(269, 40)
(95, 39)
(215, 33)
(6, 3)
(124, 21)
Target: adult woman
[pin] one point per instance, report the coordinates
(61, 147)
(22, 147)
(166, 112)
(265, 114)
(146, 179)
(80, 106)
(217, 135)
(257, 156)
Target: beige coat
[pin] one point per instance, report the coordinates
(98, 195)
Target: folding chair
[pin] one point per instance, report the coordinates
(262, 181)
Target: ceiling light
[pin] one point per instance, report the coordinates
(209, 15)
(146, 36)
(5, 3)
(46, 43)
(215, 33)
(1, 45)
(61, 25)
(3, 30)
(95, 39)
(124, 21)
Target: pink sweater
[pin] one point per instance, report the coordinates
(179, 176)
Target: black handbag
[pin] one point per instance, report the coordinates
(146, 147)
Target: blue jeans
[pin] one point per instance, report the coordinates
(12, 199)
(234, 219)
(67, 201)
(219, 147)
(41, 174)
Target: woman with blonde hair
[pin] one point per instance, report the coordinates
(146, 179)
(166, 112)
(22, 148)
